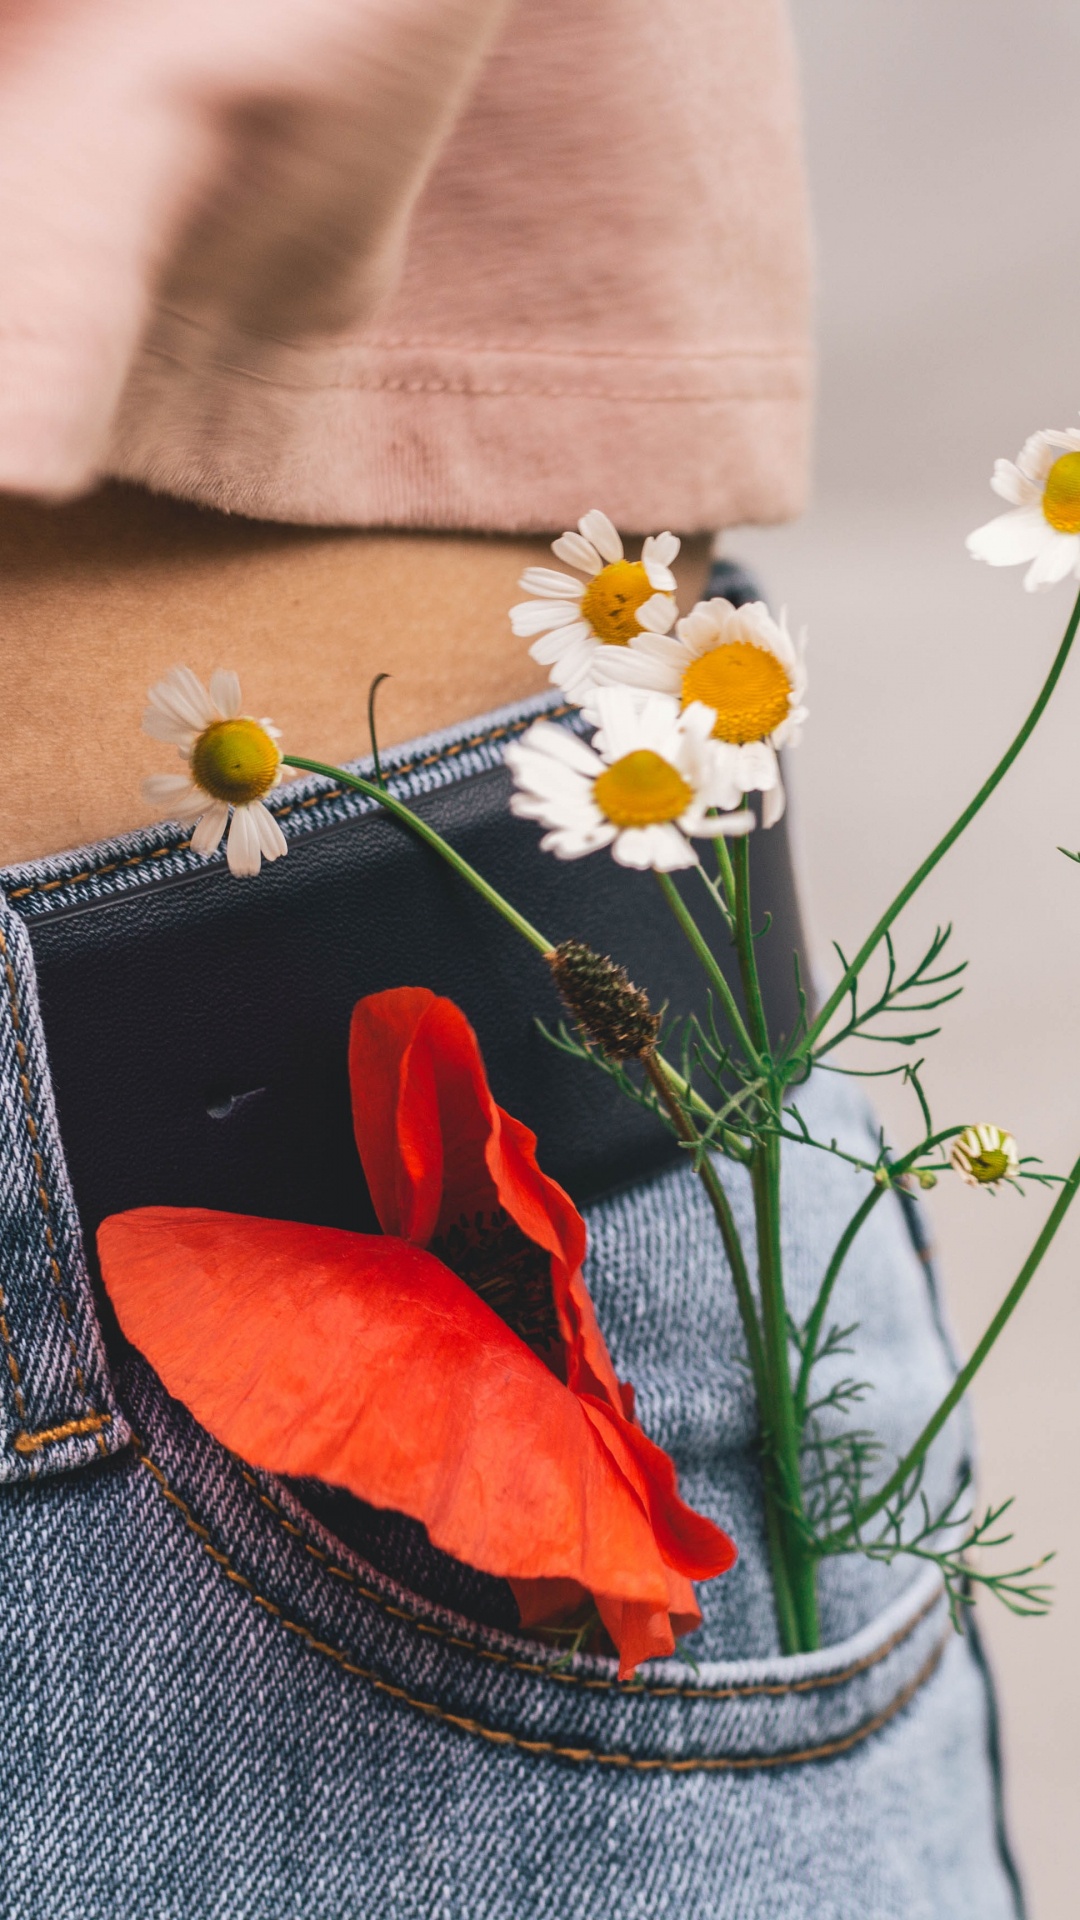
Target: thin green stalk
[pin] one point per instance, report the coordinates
(967, 1373)
(476, 880)
(787, 1616)
(783, 1435)
(711, 966)
(727, 871)
(897, 906)
(812, 1332)
(783, 1429)
(744, 945)
(420, 827)
(843, 1247)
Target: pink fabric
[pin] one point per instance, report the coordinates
(419, 263)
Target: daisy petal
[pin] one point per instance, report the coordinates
(597, 528)
(554, 644)
(773, 804)
(661, 547)
(206, 838)
(225, 693)
(660, 646)
(243, 849)
(570, 843)
(267, 831)
(558, 743)
(540, 616)
(719, 825)
(1058, 557)
(633, 667)
(169, 728)
(663, 848)
(1010, 539)
(182, 695)
(1012, 485)
(577, 553)
(545, 581)
(172, 789)
(657, 615)
(661, 578)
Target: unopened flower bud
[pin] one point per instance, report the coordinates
(609, 1010)
(983, 1156)
(925, 1178)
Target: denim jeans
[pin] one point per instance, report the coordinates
(221, 1704)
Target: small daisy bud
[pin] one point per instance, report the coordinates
(984, 1155)
(925, 1178)
(609, 1010)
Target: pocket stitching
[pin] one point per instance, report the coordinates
(630, 1691)
(497, 1736)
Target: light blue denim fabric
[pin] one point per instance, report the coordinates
(213, 1709)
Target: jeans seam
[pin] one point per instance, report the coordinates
(94, 1419)
(551, 1749)
(487, 737)
(750, 1690)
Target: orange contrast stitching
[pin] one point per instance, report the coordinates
(30, 1442)
(733, 1763)
(12, 1363)
(451, 752)
(42, 1192)
(752, 1689)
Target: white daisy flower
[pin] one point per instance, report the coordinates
(1043, 490)
(741, 664)
(232, 761)
(618, 599)
(984, 1156)
(650, 778)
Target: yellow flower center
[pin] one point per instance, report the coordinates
(747, 687)
(235, 760)
(985, 1154)
(641, 790)
(989, 1166)
(1061, 494)
(611, 600)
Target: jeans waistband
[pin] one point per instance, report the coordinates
(196, 1033)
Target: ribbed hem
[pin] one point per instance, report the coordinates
(485, 440)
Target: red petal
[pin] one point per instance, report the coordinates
(690, 1544)
(405, 1177)
(435, 1146)
(363, 1361)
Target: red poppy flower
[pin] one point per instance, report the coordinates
(450, 1368)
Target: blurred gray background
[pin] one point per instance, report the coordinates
(944, 145)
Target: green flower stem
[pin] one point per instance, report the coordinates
(721, 1206)
(967, 1373)
(783, 1430)
(420, 827)
(711, 966)
(812, 1333)
(897, 906)
(800, 1631)
(792, 1553)
(744, 944)
(357, 784)
(787, 1616)
(727, 871)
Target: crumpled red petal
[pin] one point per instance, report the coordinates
(435, 1145)
(365, 1362)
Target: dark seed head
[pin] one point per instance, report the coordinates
(609, 1010)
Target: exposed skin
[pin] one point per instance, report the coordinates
(101, 596)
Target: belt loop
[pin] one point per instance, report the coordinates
(57, 1406)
